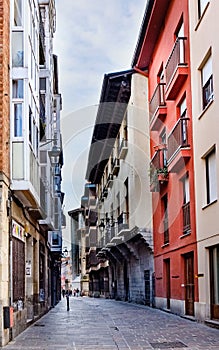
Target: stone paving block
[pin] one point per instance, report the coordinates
(107, 325)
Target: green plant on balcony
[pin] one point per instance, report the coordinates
(162, 174)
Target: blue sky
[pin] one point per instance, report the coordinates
(93, 37)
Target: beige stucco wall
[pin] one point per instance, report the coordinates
(203, 37)
(136, 163)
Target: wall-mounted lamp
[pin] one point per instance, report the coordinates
(65, 252)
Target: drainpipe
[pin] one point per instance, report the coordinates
(9, 214)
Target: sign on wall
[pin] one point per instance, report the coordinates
(18, 231)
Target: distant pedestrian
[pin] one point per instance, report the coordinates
(74, 292)
(77, 292)
(67, 299)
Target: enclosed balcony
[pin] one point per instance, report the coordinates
(122, 222)
(179, 151)
(123, 148)
(157, 107)
(176, 69)
(109, 182)
(55, 241)
(115, 166)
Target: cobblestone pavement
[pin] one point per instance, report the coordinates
(111, 325)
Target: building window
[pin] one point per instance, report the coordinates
(18, 88)
(214, 281)
(183, 115)
(17, 49)
(186, 206)
(165, 219)
(201, 6)
(163, 141)
(17, 13)
(207, 82)
(211, 177)
(18, 107)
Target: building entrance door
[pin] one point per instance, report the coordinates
(214, 281)
(167, 265)
(189, 284)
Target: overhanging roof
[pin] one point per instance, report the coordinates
(115, 95)
(150, 30)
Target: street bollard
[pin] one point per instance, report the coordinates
(67, 299)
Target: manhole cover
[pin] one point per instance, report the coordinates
(167, 345)
(39, 325)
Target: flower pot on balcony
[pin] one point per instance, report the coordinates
(162, 178)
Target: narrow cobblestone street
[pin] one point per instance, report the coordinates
(107, 324)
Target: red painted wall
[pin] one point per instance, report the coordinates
(178, 244)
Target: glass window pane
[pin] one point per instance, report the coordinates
(18, 119)
(18, 88)
(17, 12)
(17, 49)
(202, 5)
(207, 71)
(212, 177)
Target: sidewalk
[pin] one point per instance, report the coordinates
(99, 324)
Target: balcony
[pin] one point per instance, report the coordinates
(179, 151)
(55, 241)
(157, 107)
(109, 182)
(122, 222)
(92, 202)
(92, 236)
(176, 69)
(123, 149)
(115, 166)
(159, 175)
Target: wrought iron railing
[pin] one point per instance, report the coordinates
(176, 58)
(157, 100)
(178, 137)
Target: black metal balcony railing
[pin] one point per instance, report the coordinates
(157, 100)
(176, 58)
(186, 218)
(178, 137)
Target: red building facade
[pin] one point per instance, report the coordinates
(162, 53)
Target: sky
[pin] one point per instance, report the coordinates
(92, 38)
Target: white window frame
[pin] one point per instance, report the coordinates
(211, 176)
(207, 82)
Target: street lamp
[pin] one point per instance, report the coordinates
(55, 151)
(65, 252)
